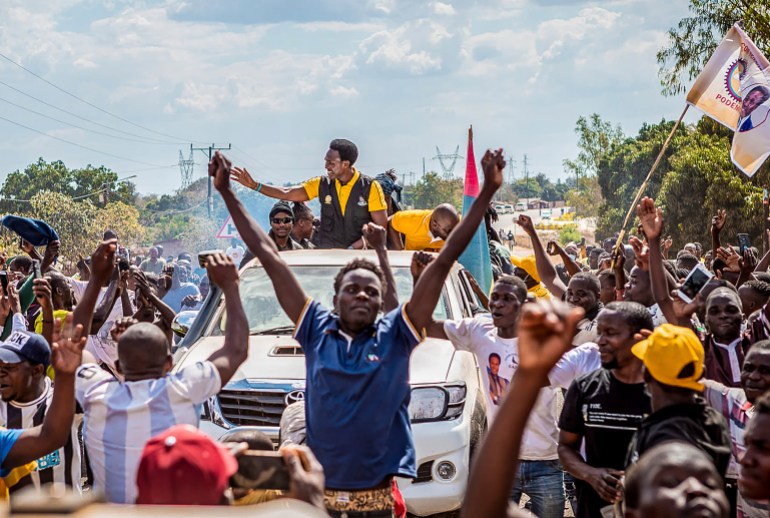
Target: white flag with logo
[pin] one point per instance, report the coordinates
(734, 89)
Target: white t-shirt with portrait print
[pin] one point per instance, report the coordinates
(479, 336)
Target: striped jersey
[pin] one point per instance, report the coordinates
(62, 465)
(120, 417)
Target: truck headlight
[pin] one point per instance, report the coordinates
(436, 402)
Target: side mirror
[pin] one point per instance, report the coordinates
(182, 322)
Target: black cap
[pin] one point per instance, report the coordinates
(24, 346)
(281, 206)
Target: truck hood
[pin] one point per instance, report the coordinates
(279, 357)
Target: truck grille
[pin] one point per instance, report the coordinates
(252, 407)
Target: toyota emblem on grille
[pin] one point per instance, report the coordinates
(294, 396)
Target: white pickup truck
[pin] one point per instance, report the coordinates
(447, 408)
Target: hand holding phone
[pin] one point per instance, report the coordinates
(694, 283)
(551, 248)
(261, 470)
(744, 242)
(36, 269)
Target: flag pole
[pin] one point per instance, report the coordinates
(646, 181)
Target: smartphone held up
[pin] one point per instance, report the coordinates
(694, 283)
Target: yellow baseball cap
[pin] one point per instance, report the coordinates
(527, 264)
(673, 356)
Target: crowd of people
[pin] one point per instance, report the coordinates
(606, 387)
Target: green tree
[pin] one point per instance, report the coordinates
(432, 190)
(56, 177)
(585, 199)
(694, 179)
(596, 138)
(80, 224)
(691, 43)
(569, 233)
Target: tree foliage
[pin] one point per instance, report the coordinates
(432, 190)
(694, 179)
(586, 200)
(596, 139)
(691, 43)
(81, 224)
(56, 177)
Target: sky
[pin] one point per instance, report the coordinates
(131, 83)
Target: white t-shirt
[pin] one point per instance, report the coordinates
(100, 343)
(120, 417)
(576, 362)
(586, 332)
(479, 336)
(61, 466)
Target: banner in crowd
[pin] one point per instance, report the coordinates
(475, 258)
(734, 90)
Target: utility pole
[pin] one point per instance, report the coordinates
(511, 167)
(210, 151)
(526, 175)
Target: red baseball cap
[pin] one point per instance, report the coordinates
(183, 466)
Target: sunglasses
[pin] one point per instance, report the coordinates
(278, 221)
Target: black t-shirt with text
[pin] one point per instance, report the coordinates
(606, 413)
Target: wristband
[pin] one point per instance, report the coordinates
(259, 186)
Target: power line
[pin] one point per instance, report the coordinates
(76, 126)
(79, 145)
(89, 103)
(87, 119)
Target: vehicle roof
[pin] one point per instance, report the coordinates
(335, 257)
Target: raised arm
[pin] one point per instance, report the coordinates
(717, 224)
(545, 269)
(102, 267)
(651, 218)
(50, 255)
(42, 290)
(570, 264)
(111, 296)
(376, 238)
(293, 193)
(545, 334)
(39, 441)
(224, 273)
(291, 296)
(429, 286)
(675, 311)
(420, 261)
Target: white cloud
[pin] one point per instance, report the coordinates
(266, 79)
(418, 47)
(443, 9)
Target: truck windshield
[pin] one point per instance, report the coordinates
(266, 316)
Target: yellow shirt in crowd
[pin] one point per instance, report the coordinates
(376, 196)
(415, 225)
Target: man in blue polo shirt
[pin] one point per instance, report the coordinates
(358, 362)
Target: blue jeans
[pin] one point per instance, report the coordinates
(543, 482)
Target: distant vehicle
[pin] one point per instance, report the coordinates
(508, 209)
(500, 208)
(545, 214)
(521, 206)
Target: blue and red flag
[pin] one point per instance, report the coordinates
(475, 258)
